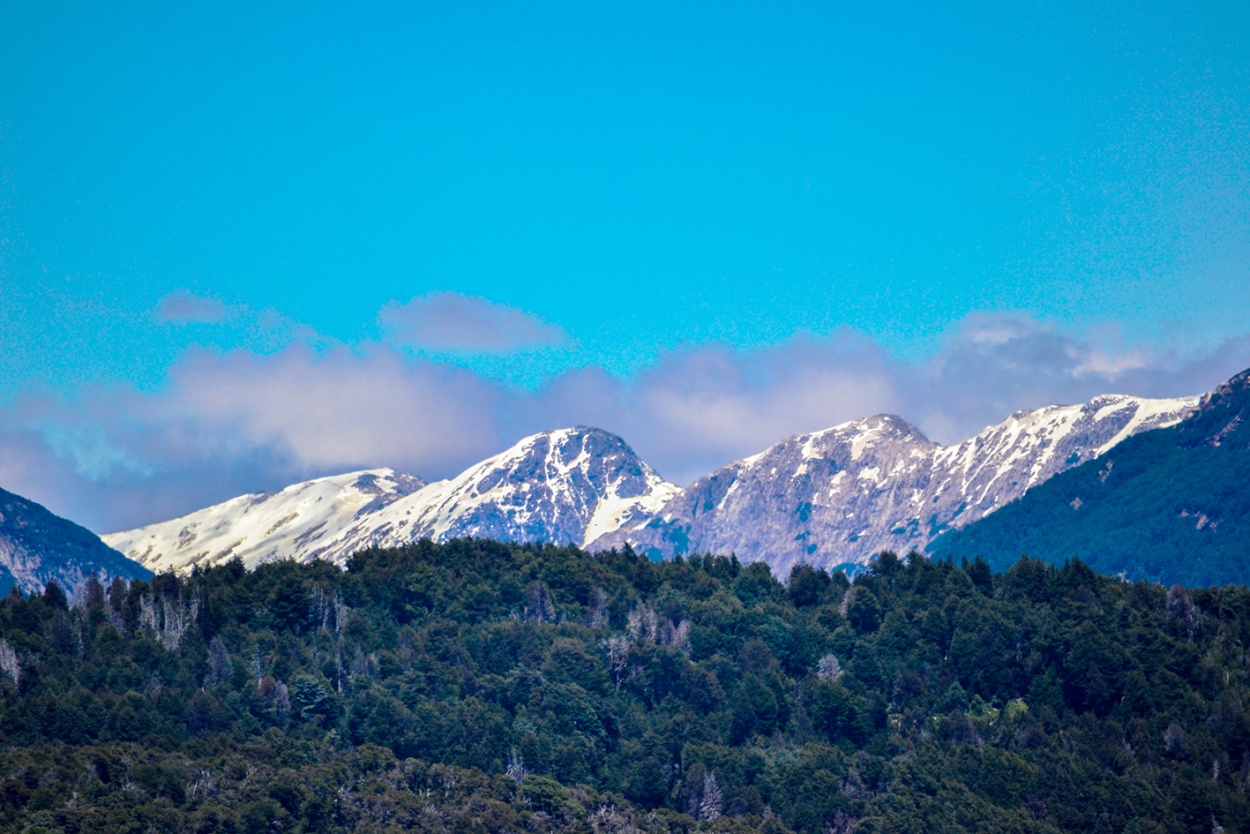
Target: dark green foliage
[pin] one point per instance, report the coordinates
(478, 686)
(1170, 505)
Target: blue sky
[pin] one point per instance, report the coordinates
(513, 217)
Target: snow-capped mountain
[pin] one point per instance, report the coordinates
(37, 546)
(568, 485)
(294, 523)
(840, 495)
(828, 498)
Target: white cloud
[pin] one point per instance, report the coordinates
(451, 322)
(183, 307)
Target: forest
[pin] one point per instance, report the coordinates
(478, 686)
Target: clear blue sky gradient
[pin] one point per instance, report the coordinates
(643, 175)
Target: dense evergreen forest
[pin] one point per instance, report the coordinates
(486, 687)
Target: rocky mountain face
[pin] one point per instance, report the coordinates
(568, 485)
(37, 547)
(838, 496)
(1168, 506)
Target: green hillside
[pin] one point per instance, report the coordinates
(485, 687)
(1171, 505)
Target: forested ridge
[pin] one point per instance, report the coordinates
(1168, 505)
(480, 687)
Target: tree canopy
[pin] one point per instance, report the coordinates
(479, 686)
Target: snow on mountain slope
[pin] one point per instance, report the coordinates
(295, 522)
(558, 486)
(568, 485)
(840, 495)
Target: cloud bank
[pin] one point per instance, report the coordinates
(244, 421)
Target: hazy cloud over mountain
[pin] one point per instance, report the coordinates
(240, 421)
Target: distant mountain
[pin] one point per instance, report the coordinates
(829, 498)
(298, 522)
(1170, 505)
(838, 496)
(568, 485)
(37, 547)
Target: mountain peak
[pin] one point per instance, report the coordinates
(884, 425)
(559, 485)
(566, 444)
